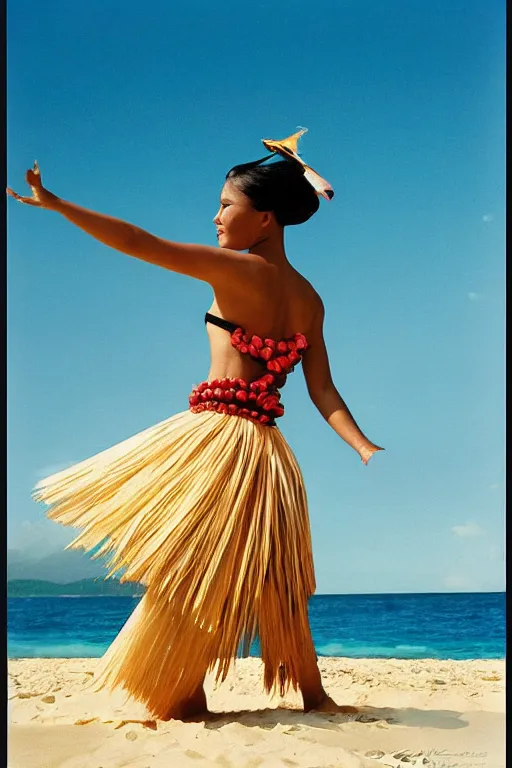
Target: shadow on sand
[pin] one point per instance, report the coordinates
(267, 719)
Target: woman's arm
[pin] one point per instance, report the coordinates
(326, 397)
(212, 264)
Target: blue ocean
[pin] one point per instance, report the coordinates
(400, 626)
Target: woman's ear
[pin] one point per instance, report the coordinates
(267, 219)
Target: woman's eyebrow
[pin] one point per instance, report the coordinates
(224, 201)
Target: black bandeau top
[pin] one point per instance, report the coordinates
(220, 322)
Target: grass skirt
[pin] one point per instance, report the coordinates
(209, 512)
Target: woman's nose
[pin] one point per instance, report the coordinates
(216, 220)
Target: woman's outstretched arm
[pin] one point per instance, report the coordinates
(212, 264)
(326, 397)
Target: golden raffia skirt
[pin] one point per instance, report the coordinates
(209, 512)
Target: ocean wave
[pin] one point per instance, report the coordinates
(16, 650)
(415, 648)
(360, 650)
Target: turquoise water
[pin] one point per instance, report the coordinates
(442, 626)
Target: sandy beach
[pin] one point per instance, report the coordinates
(421, 712)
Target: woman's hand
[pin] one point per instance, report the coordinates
(41, 198)
(367, 451)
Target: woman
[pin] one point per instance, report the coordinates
(207, 509)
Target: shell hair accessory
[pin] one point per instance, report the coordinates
(287, 148)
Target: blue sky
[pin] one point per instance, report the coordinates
(138, 111)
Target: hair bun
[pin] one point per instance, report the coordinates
(279, 187)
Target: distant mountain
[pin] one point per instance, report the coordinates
(83, 588)
(60, 567)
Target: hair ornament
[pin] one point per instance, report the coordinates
(287, 148)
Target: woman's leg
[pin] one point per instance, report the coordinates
(287, 647)
(195, 704)
(310, 682)
(189, 706)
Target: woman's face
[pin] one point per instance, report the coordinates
(239, 225)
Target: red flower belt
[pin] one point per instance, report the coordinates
(258, 400)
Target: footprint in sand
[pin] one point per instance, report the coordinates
(378, 719)
(399, 759)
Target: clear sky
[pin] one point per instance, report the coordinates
(138, 110)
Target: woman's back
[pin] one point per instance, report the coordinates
(277, 304)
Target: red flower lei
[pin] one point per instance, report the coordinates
(258, 400)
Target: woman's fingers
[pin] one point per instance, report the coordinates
(367, 453)
(21, 199)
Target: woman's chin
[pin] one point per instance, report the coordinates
(225, 242)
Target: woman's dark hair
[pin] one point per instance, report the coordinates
(279, 187)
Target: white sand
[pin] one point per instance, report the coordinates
(444, 713)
